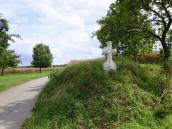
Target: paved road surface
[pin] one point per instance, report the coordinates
(16, 103)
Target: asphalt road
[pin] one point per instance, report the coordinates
(16, 104)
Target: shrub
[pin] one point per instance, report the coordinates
(153, 57)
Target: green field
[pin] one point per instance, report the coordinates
(11, 80)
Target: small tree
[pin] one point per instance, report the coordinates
(8, 58)
(42, 56)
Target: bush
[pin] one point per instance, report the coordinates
(153, 58)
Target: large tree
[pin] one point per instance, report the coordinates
(149, 19)
(42, 56)
(8, 58)
(115, 27)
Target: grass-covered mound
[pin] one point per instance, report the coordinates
(83, 96)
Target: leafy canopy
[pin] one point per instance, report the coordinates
(137, 24)
(8, 58)
(115, 27)
(42, 56)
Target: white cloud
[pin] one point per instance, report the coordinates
(64, 25)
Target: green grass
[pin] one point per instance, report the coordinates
(11, 80)
(83, 96)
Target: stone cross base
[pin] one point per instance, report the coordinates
(110, 66)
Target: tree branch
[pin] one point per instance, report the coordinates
(150, 32)
(165, 9)
(159, 15)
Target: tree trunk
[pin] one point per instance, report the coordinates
(117, 51)
(165, 46)
(166, 50)
(40, 70)
(2, 72)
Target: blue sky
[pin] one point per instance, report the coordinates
(64, 25)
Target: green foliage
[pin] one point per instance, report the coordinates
(166, 123)
(8, 58)
(133, 125)
(4, 37)
(83, 96)
(117, 27)
(133, 27)
(42, 56)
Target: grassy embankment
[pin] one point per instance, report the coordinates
(11, 80)
(83, 96)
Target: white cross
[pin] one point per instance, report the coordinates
(109, 65)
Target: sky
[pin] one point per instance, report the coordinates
(65, 26)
